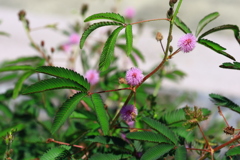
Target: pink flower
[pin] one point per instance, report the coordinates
(134, 76)
(187, 42)
(66, 47)
(130, 13)
(74, 38)
(92, 76)
(128, 114)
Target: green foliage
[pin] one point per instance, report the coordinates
(53, 83)
(233, 151)
(148, 136)
(108, 49)
(129, 38)
(110, 16)
(65, 110)
(102, 116)
(181, 25)
(203, 22)
(157, 151)
(224, 102)
(94, 26)
(234, 65)
(160, 128)
(216, 47)
(64, 73)
(17, 68)
(57, 153)
(174, 118)
(102, 156)
(181, 153)
(223, 27)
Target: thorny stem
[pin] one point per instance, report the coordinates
(128, 88)
(170, 56)
(220, 112)
(203, 134)
(150, 20)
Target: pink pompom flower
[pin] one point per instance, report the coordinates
(92, 76)
(130, 13)
(187, 42)
(134, 76)
(128, 114)
(74, 38)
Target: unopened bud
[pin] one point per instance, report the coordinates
(52, 50)
(170, 49)
(84, 9)
(159, 36)
(21, 14)
(172, 2)
(170, 13)
(170, 38)
(122, 80)
(42, 43)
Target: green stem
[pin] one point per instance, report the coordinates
(176, 11)
(150, 20)
(157, 87)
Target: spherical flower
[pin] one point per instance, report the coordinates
(92, 76)
(134, 76)
(128, 113)
(187, 42)
(74, 38)
(130, 13)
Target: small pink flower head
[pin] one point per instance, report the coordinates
(187, 42)
(130, 13)
(128, 114)
(134, 76)
(66, 47)
(74, 38)
(92, 76)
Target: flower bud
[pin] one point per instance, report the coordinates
(170, 13)
(42, 43)
(122, 80)
(172, 2)
(21, 15)
(159, 36)
(170, 49)
(84, 9)
(52, 50)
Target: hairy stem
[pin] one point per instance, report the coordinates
(150, 20)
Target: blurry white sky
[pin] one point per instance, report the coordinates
(201, 65)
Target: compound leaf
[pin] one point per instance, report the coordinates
(161, 128)
(181, 153)
(181, 25)
(56, 153)
(64, 73)
(224, 102)
(157, 151)
(234, 65)
(207, 19)
(233, 151)
(216, 47)
(94, 26)
(174, 118)
(147, 136)
(111, 16)
(110, 156)
(102, 116)
(65, 110)
(53, 83)
(107, 53)
(16, 68)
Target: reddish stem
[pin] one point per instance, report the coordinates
(49, 140)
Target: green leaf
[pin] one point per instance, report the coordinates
(234, 65)
(148, 136)
(223, 27)
(219, 100)
(161, 128)
(111, 16)
(107, 53)
(84, 115)
(18, 85)
(64, 73)
(53, 83)
(109, 156)
(4, 34)
(129, 38)
(174, 118)
(56, 153)
(181, 153)
(17, 127)
(5, 110)
(157, 151)
(110, 140)
(215, 47)
(102, 116)
(65, 110)
(233, 151)
(92, 27)
(207, 19)
(181, 25)
(26, 60)
(16, 68)
(182, 132)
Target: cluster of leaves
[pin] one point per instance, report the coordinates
(88, 128)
